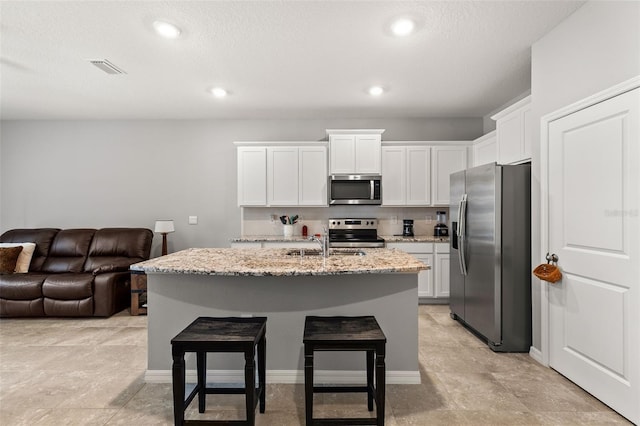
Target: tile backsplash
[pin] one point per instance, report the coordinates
(257, 220)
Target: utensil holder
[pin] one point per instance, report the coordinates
(288, 231)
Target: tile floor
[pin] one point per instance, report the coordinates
(90, 372)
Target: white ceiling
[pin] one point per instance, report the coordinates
(278, 59)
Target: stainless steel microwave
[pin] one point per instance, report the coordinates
(355, 189)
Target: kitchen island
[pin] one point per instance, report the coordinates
(285, 286)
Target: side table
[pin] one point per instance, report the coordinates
(138, 287)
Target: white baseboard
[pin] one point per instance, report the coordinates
(288, 377)
(536, 354)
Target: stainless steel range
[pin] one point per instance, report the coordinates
(354, 233)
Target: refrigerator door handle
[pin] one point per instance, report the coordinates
(462, 221)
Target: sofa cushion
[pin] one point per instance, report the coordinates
(9, 259)
(68, 251)
(119, 247)
(42, 237)
(21, 286)
(68, 286)
(24, 260)
(22, 308)
(68, 308)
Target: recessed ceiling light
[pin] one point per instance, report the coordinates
(166, 29)
(402, 27)
(218, 92)
(376, 90)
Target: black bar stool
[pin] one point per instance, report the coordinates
(346, 334)
(205, 335)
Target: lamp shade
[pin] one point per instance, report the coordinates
(164, 226)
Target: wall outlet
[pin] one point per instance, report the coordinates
(273, 218)
(193, 220)
(394, 220)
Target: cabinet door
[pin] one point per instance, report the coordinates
(282, 176)
(510, 139)
(367, 154)
(418, 175)
(445, 160)
(527, 123)
(486, 151)
(442, 275)
(313, 176)
(252, 176)
(393, 175)
(425, 278)
(343, 154)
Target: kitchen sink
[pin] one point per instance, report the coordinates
(332, 252)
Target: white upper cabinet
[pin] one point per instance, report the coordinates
(418, 176)
(312, 174)
(406, 175)
(513, 130)
(355, 151)
(252, 176)
(444, 161)
(282, 175)
(394, 175)
(485, 149)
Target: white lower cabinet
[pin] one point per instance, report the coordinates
(442, 270)
(432, 283)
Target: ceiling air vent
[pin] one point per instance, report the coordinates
(106, 66)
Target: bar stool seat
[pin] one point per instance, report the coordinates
(346, 334)
(207, 334)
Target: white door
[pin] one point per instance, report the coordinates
(367, 154)
(593, 217)
(252, 176)
(342, 149)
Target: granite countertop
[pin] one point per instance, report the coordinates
(269, 238)
(414, 239)
(276, 262)
(300, 238)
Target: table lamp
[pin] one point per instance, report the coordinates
(164, 227)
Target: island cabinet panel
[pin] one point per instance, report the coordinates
(444, 161)
(355, 154)
(252, 176)
(514, 132)
(406, 175)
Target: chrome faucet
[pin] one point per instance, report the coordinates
(323, 241)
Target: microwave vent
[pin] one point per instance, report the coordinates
(106, 66)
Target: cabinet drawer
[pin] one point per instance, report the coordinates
(412, 247)
(442, 247)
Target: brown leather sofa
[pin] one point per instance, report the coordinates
(73, 272)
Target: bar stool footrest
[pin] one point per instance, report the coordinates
(340, 389)
(352, 421)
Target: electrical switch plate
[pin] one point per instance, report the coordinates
(193, 220)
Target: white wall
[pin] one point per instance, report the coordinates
(130, 173)
(595, 48)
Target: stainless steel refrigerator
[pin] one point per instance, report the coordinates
(490, 276)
